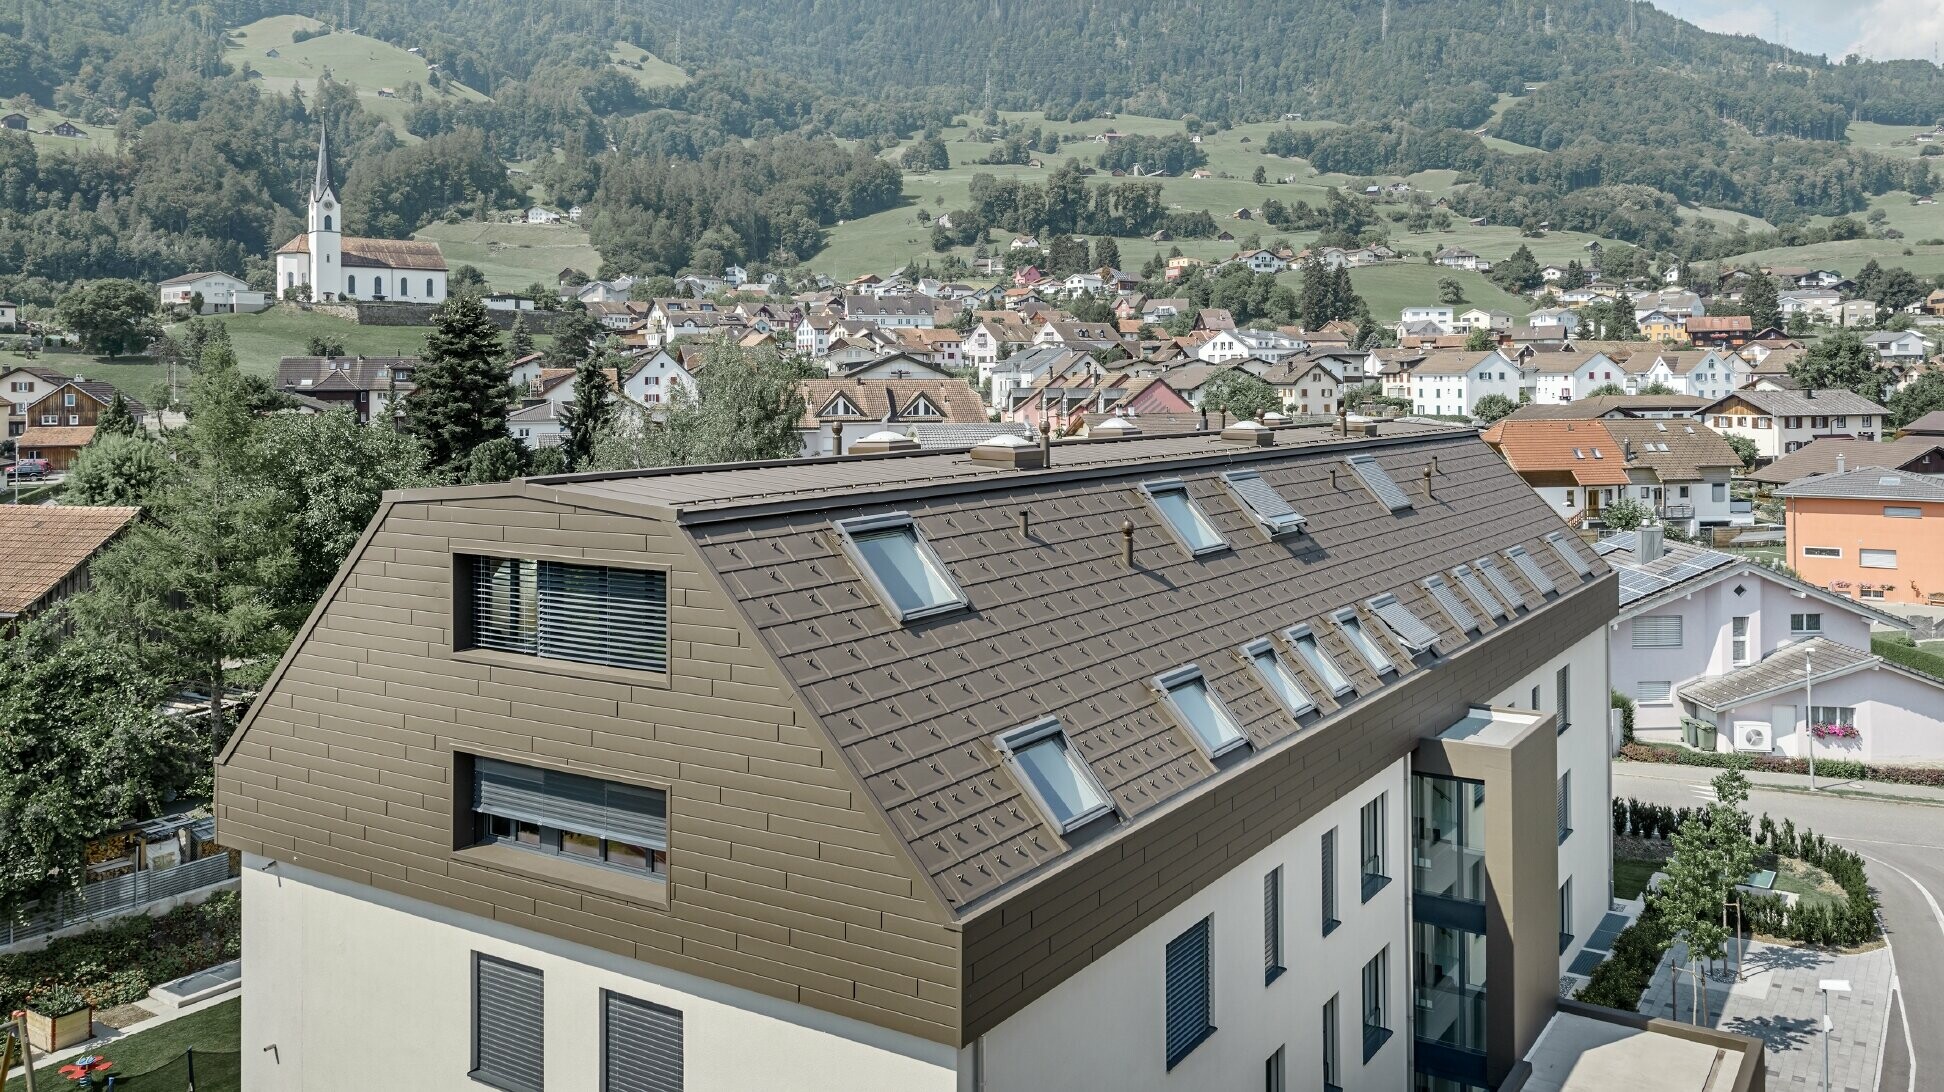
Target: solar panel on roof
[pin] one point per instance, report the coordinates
(1414, 634)
(1379, 482)
(1528, 566)
(1477, 590)
(1264, 503)
(1500, 583)
(1451, 603)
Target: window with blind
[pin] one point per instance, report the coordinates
(1654, 691)
(588, 614)
(1189, 1004)
(1657, 631)
(602, 823)
(508, 1047)
(1272, 925)
(641, 1046)
(1563, 693)
(1330, 921)
(1564, 805)
(1452, 604)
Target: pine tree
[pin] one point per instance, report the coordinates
(116, 420)
(591, 409)
(1759, 298)
(519, 343)
(462, 390)
(574, 337)
(1106, 253)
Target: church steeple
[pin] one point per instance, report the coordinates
(321, 185)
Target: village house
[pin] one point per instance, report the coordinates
(1306, 385)
(1680, 468)
(838, 413)
(1576, 467)
(221, 294)
(1909, 454)
(1268, 346)
(1450, 384)
(1898, 348)
(1780, 421)
(1719, 331)
(1869, 533)
(992, 337)
(24, 386)
(370, 386)
(1457, 257)
(1567, 376)
(892, 312)
(45, 551)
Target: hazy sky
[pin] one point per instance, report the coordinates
(1873, 28)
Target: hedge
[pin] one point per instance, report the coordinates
(1898, 648)
(120, 962)
(1626, 706)
(1628, 970)
(1841, 769)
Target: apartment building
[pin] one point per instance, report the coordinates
(1780, 421)
(1870, 533)
(1267, 758)
(1451, 384)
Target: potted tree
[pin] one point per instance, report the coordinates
(58, 1017)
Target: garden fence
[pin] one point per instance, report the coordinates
(108, 898)
(190, 1071)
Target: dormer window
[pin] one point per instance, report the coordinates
(1366, 646)
(921, 406)
(1264, 503)
(910, 580)
(841, 406)
(1318, 661)
(1183, 517)
(1204, 715)
(1277, 676)
(1057, 778)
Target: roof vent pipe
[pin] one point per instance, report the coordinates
(1127, 543)
(1648, 543)
(1046, 440)
(1841, 462)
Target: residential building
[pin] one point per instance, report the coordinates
(1563, 318)
(1720, 331)
(1068, 400)
(77, 402)
(370, 386)
(331, 265)
(992, 337)
(1268, 346)
(221, 294)
(1871, 533)
(1305, 385)
(1824, 304)
(1856, 313)
(537, 424)
(1780, 421)
(651, 378)
(1898, 347)
(840, 412)
(891, 312)
(1440, 316)
(1564, 377)
(9, 315)
(1450, 384)
(1457, 257)
(59, 445)
(1576, 467)
(1839, 701)
(1930, 424)
(1479, 318)
(1914, 454)
(1681, 468)
(45, 550)
(1648, 407)
(23, 386)
(899, 773)
(1703, 638)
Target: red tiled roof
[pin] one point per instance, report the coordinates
(44, 543)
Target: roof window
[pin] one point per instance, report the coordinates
(1452, 604)
(910, 580)
(1568, 553)
(1277, 676)
(1528, 567)
(1410, 631)
(1183, 516)
(1264, 503)
(1478, 591)
(1203, 713)
(1057, 778)
(1319, 661)
(1366, 646)
(1501, 583)
(1379, 482)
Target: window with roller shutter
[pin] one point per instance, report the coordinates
(588, 614)
(509, 1049)
(641, 1046)
(1657, 631)
(1188, 991)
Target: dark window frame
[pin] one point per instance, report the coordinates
(479, 828)
(493, 1080)
(466, 627)
(848, 530)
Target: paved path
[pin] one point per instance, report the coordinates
(1777, 1001)
(1899, 829)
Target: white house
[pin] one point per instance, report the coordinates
(1228, 346)
(1563, 377)
(537, 425)
(1450, 384)
(9, 315)
(331, 265)
(913, 311)
(1260, 261)
(1440, 315)
(1781, 421)
(1824, 304)
(1478, 318)
(652, 378)
(1898, 347)
(221, 294)
(540, 214)
(1563, 317)
(1680, 468)
(1457, 257)
(736, 275)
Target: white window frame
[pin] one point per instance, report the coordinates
(849, 529)
(1875, 558)
(1822, 551)
(1153, 490)
(1049, 731)
(1255, 652)
(1321, 665)
(1351, 626)
(1645, 689)
(1738, 640)
(1639, 636)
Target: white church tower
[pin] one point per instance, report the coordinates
(325, 234)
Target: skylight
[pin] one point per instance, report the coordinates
(1568, 554)
(1277, 676)
(1409, 630)
(1501, 583)
(1066, 789)
(1366, 646)
(1264, 503)
(1183, 516)
(1528, 566)
(1476, 589)
(908, 577)
(1452, 604)
(1201, 711)
(1319, 661)
(1379, 482)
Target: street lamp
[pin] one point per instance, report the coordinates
(1809, 716)
(1828, 986)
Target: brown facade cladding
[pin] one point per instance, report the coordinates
(782, 879)
(842, 830)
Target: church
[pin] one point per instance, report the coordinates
(346, 267)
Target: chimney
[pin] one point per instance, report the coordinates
(1840, 461)
(1046, 440)
(1626, 449)
(1127, 543)
(1648, 542)
(1809, 392)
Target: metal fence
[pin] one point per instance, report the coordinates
(190, 1071)
(108, 898)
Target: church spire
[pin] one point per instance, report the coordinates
(322, 183)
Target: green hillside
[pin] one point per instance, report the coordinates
(514, 256)
(644, 67)
(368, 63)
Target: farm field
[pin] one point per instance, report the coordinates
(513, 256)
(97, 138)
(367, 63)
(1896, 141)
(644, 67)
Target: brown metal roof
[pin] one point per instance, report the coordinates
(1057, 626)
(1691, 447)
(44, 543)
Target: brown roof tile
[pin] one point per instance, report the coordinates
(55, 436)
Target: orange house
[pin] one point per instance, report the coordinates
(1871, 534)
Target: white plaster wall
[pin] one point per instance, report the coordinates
(1103, 1028)
(1901, 718)
(359, 989)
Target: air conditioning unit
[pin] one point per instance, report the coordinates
(1754, 737)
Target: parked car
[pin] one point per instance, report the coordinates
(26, 468)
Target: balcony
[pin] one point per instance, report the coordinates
(1675, 511)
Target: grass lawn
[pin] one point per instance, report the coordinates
(1896, 141)
(1811, 885)
(100, 138)
(644, 67)
(1851, 254)
(513, 256)
(1630, 876)
(349, 58)
(154, 1060)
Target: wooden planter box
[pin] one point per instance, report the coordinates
(51, 1033)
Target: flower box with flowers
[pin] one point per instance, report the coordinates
(1835, 731)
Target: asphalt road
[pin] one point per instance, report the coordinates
(1904, 844)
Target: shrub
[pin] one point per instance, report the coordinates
(120, 962)
(1626, 706)
(1838, 768)
(1619, 981)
